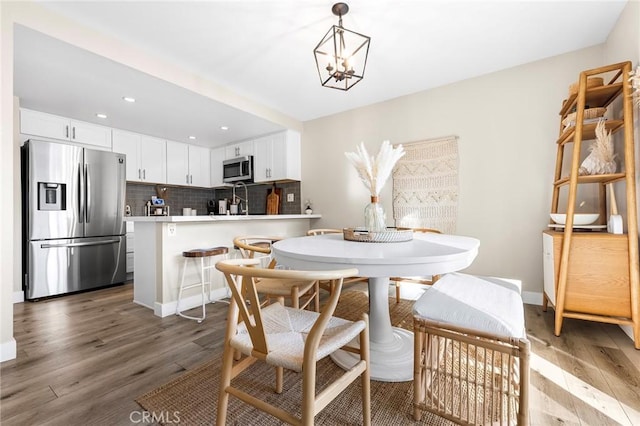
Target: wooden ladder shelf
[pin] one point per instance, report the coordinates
(595, 273)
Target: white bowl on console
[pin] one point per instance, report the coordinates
(579, 219)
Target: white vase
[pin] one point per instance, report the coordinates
(374, 217)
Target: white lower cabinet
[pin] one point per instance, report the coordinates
(52, 126)
(277, 157)
(130, 241)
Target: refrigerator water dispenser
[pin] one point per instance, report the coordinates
(51, 196)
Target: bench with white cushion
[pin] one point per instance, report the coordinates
(471, 360)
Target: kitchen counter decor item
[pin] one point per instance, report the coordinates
(601, 159)
(390, 235)
(374, 172)
(273, 201)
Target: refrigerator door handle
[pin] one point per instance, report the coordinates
(88, 191)
(80, 194)
(84, 244)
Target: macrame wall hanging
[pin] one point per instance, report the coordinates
(425, 185)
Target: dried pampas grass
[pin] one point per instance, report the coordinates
(601, 159)
(374, 171)
(635, 85)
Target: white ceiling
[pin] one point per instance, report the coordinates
(263, 50)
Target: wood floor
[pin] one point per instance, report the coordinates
(82, 359)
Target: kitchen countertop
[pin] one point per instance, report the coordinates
(219, 218)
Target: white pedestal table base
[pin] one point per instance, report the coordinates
(391, 348)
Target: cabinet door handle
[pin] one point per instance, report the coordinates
(73, 132)
(139, 177)
(144, 174)
(191, 179)
(66, 131)
(187, 178)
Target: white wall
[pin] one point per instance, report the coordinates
(507, 123)
(7, 215)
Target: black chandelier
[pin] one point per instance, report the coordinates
(344, 52)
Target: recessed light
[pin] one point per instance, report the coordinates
(224, 128)
(192, 138)
(128, 99)
(101, 115)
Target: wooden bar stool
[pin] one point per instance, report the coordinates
(201, 254)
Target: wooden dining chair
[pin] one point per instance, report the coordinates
(414, 280)
(326, 285)
(302, 294)
(310, 337)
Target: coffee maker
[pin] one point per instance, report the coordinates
(211, 207)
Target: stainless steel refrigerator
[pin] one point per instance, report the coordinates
(73, 204)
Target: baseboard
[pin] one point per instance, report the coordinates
(165, 309)
(628, 330)
(8, 350)
(532, 297)
(18, 296)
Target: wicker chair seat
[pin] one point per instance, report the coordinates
(286, 330)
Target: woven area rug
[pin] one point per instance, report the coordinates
(194, 394)
(425, 185)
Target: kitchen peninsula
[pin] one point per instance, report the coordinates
(160, 241)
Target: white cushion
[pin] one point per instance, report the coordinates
(488, 304)
(286, 330)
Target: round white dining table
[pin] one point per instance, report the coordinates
(391, 357)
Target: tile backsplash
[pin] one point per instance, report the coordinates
(179, 197)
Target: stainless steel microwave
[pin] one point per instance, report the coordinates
(238, 169)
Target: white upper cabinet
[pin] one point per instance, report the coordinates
(217, 157)
(241, 149)
(199, 166)
(177, 163)
(188, 164)
(128, 143)
(146, 156)
(277, 157)
(153, 159)
(55, 127)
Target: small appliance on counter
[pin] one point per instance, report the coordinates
(222, 206)
(156, 207)
(211, 207)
